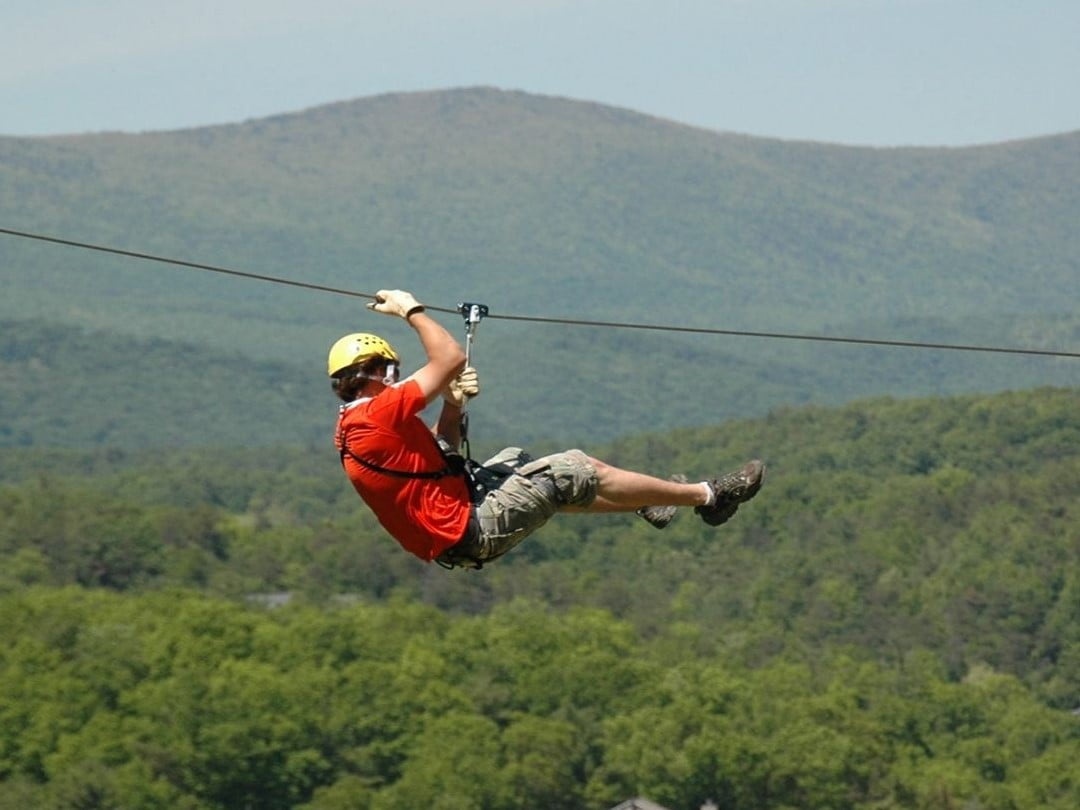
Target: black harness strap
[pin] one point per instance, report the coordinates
(456, 465)
(371, 465)
(449, 469)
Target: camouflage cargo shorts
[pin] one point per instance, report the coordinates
(522, 495)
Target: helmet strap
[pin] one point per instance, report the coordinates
(393, 372)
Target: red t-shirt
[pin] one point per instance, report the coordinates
(426, 516)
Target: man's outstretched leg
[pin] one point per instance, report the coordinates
(715, 501)
(523, 493)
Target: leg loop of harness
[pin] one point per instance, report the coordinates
(458, 555)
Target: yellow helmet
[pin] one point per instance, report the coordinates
(356, 348)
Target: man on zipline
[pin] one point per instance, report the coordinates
(415, 482)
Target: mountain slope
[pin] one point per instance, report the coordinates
(67, 386)
(544, 206)
(75, 388)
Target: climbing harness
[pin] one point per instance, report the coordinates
(455, 465)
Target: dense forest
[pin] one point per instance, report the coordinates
(175, 700)
(893, 623)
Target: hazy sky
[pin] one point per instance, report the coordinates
(882, 72)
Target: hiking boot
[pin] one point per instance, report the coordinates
(661, 516)
(731, 490)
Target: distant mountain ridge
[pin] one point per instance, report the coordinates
(480, 179)
(547, 206)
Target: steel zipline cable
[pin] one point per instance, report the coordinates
(538, 319)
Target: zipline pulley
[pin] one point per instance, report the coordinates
(473, 314)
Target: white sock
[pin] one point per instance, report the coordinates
(710, 496)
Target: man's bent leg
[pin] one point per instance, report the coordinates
(715, 501)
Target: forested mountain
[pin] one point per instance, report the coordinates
(546, 206)
(197, 613)
(74, 387)
(886, 524)
(894, 622)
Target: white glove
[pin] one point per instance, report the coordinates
(465, 385)
(395, 302)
